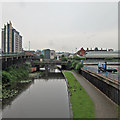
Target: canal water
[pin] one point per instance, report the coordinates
(45, 98)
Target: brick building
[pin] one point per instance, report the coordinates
(81, 52)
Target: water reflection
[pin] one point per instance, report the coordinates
(43, 99)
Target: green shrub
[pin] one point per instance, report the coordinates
(78, 66)
(63, 59)
(74, 63)
(14, 74)
(78, 58)
(7, 77)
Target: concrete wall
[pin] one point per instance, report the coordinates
(7, 62)
(112, 92)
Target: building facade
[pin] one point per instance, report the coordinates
(81, 52)
(102, 55)
(52, 54)
(47, 53)
(11, 40)
(3, 42)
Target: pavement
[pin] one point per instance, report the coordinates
(104, 107)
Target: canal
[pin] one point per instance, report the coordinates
(45, 98)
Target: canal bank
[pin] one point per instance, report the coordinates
(46, 97)
(69, 94)
(82, 105)
(104, 107)
(14, 80)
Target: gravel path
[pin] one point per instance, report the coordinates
(104, 107)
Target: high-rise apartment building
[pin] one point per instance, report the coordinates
(20, 43)
(11, 40)
(3, 42)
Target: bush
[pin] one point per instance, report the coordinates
(7, 77)
(63, 59)
(74, 63)
(14, 74)
(78, 66)
(78, 58)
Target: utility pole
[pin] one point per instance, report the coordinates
(75, 50)
(29, 45)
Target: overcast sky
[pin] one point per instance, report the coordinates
(64, 26)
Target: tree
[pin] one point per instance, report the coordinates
(62, 56)
(78, 58)
(63, 59)
(96, 49)
(78, 66)
(74, 63)
(41, 56)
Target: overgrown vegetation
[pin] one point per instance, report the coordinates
(82, 105)
(78, 58)
(73, 63)
(13, 77)
(63, 58)
(14, 74)
(75, 58)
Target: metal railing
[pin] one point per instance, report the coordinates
(113, 76)
(12, 54)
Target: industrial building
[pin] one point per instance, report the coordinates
(103, 55)
(48, 54)
(52, 54)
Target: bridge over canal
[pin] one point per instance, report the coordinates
(47, 64)
(10, 59)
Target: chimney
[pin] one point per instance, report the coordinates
(101, 49)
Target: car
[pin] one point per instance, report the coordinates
(110, 69)
(102, 67)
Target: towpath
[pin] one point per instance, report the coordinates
(104, 107)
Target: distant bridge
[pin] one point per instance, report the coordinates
(46, 64)
(6, 57)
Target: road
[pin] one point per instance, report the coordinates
(104, 107)
(114, 76)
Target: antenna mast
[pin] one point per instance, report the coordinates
(29, 45)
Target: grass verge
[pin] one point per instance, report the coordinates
(82, 105)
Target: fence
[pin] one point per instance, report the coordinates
(113, 76)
